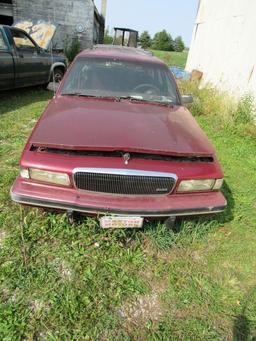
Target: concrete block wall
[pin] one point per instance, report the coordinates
(66, 15)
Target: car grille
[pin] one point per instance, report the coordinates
(130, 183)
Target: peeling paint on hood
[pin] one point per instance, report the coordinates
(41, 31)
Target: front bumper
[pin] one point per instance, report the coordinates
(69, 199)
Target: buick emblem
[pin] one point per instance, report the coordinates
(126, 158)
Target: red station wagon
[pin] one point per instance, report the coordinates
(117, 142)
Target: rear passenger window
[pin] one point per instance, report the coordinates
(3, 45)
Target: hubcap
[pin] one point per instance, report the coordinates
(57, 77)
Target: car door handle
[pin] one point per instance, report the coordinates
(21, 55)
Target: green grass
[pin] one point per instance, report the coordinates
(172, 58)
(59, 282)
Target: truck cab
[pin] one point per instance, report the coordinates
(23, 63)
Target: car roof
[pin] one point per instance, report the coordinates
(120, 53)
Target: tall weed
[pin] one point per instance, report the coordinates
(72, 48)
(229, 113)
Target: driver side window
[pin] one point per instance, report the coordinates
(22, 41)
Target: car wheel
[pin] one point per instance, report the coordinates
(58, 74)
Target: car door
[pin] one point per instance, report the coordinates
(32, 66)
(6, 65)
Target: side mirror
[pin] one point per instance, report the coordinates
(186, 99)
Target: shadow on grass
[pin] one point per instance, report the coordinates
(241, 330)
(185, 231)
(227, 215)
(242, 323)
(17, 98)
(222, 218)
(189, 229)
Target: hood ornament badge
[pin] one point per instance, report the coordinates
(126, 158)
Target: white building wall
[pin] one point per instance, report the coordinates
(223, 44)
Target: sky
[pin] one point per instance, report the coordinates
(175, 16)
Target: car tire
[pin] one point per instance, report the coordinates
(57, 75)
(170, 223)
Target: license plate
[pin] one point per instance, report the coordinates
(121, 222)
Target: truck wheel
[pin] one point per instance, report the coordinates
(57, 75)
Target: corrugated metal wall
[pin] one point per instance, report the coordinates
(223, 45)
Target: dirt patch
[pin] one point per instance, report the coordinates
(37, 306)
(157, 285)
(145, 308)
(63, 270)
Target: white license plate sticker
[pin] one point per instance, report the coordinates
(121, 222)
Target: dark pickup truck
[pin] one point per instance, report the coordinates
(23, 63)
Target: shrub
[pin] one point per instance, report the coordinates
(245, 110)
(72, 49)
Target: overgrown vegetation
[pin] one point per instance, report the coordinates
(62, 282)
(72, 48)
(234, 116)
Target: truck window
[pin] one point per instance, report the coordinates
(3, 45)
(22, 41)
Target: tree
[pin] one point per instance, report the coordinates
(145, 40)
(107, 38)
(179, 45)
(162, 41)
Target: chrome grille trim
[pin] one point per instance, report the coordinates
(132, 173)
(123, 171)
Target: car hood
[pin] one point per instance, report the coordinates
(105, 125)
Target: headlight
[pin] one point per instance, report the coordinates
(200, 185)
(218, 184)
(46, 176)
(24, 173)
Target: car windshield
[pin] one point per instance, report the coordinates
(121, 79)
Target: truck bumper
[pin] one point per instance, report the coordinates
(69, 199)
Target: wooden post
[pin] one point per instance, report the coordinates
(104, 8)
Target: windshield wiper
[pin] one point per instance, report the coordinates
(119, 98)
(81, 94)
(141, 99)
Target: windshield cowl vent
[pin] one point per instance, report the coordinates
(133, 155)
